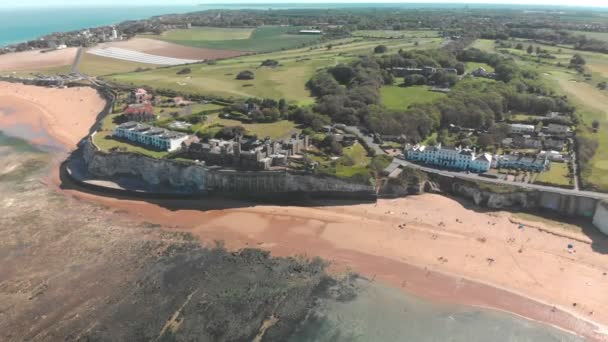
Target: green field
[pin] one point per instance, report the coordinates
(471, 66)
(286, 81)
(557, 175)
(396, 34)
(399, 98)
(274, 130)
(594, 35)
(203, 34)
(262, 39)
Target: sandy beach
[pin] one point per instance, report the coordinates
(429, 245)
(35, 60)
(48, 116)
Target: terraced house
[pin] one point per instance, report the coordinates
(152, 137)
(456, 158)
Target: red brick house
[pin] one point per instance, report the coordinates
(140, 112)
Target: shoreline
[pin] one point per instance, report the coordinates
(289, 231)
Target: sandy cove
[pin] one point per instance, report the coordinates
(429, 245)
(48, 116)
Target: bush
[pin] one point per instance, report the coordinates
(270, 63)
(184, 71)
(245, 75)
(380, 49)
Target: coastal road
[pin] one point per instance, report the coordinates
(476, 177)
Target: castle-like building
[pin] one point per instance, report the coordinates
(248, 154)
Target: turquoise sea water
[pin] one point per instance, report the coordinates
(22, 24)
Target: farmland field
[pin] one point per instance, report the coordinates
(288, 80)
(399, 98)
(262, 39)
(396, 34)
(203, 34)
(97, 65)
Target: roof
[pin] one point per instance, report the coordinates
(140, 108)
(484, 157)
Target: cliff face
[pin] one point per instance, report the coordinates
(150, 170)
(199, 178)
(494, 200)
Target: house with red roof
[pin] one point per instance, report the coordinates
(140, 112)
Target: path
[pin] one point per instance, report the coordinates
(76, 63)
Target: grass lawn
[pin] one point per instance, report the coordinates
(203, 34)
(262, 39)
(557, 175)
(470, 66)
(274, 130)
(287, 81)
(354, 161)
(97, 65)
(399, 98)
(484, 45)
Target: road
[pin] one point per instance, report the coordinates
(369, 140)
(476, 177)
(76, 63)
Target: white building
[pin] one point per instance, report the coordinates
(551, 155)
(114, 34)
(150, 136)
(522, 129)
(310, 32)
(462, 159)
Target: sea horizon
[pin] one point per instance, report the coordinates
(21, 24)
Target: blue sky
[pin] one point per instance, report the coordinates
(55, 3)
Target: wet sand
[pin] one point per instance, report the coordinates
(46, 116)
(429, 245)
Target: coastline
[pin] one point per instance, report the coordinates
(367, 239)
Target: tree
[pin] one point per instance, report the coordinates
(270, 63)
(184, 71)
(414, 79)
(596, 125)
(577, 60)
(331, 145)
(530, 49)
(519, 46)
(460, 68)
(602, 85)
(245, 75)
(380, 49)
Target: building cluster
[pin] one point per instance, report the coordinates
(151, 137)
(248, 154)
(465, 159)
(551, 138)
(455, 158)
